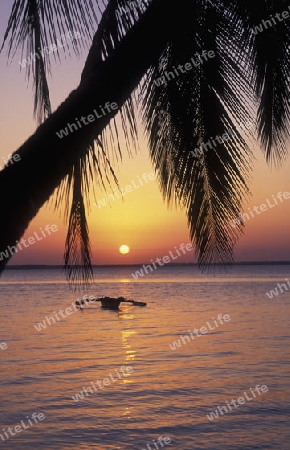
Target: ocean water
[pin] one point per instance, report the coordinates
(167, 393)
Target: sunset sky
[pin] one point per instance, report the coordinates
(142, 221)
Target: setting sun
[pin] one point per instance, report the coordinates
(124, 249)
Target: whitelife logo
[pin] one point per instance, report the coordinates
(124, 371)
(71, 127)
(160, 441)
(10, 160)
(271, 22)
(241, 401)
(166, 259)
(18, 428)
(283, 287)
(183, 68)
(68, 311)
(263, 208)
(31, 240)
(123, 191)
(3, 346)
(184, 339)
(52, 48)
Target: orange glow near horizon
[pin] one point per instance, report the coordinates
(143, 220)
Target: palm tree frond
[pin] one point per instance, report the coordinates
(94, 167)
(268, 43)
(193, 110)
(36, 28)
(77, 255)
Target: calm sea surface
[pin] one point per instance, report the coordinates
(169, 392)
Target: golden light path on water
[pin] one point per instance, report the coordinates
(168, 392)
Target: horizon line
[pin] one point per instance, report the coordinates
(60, 266)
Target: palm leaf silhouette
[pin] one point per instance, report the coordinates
(246, 81)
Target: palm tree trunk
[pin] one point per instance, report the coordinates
(45, 158)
